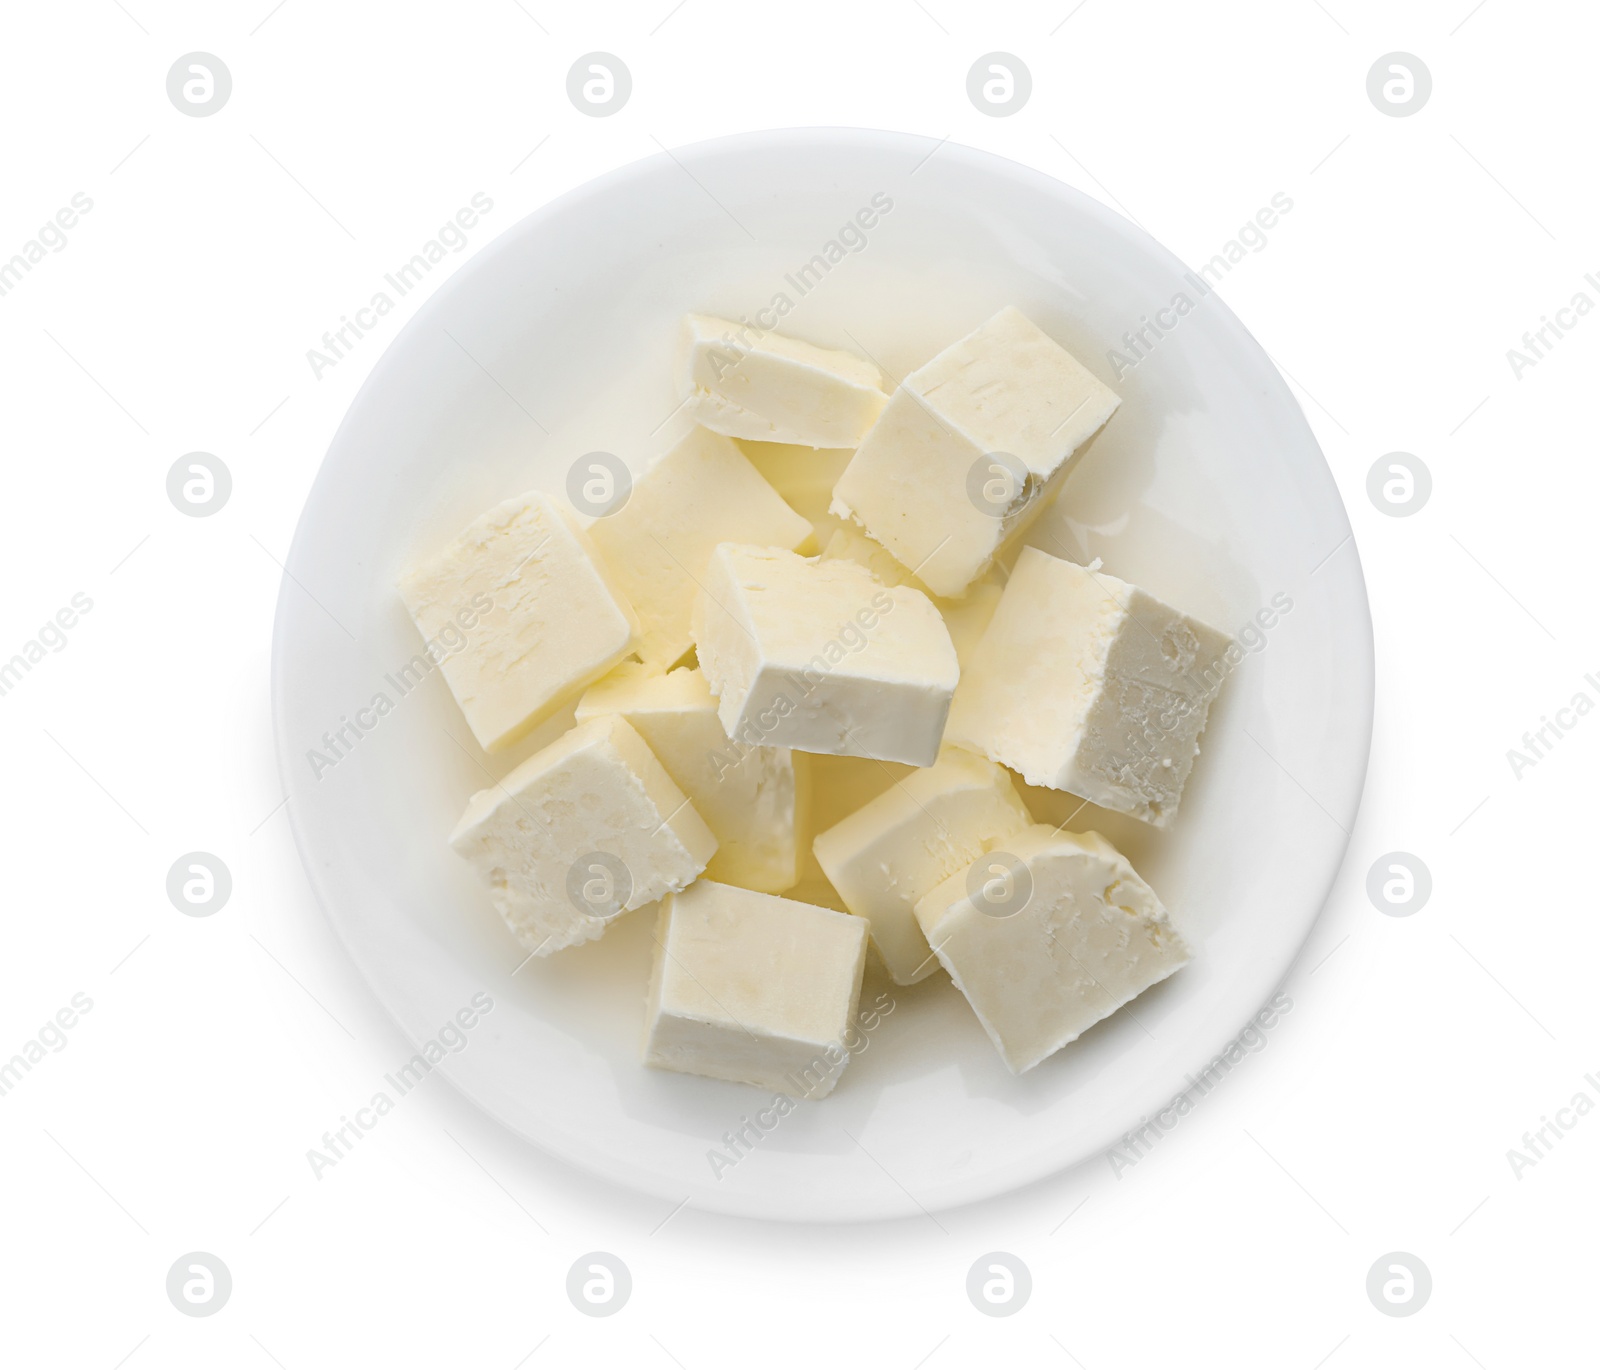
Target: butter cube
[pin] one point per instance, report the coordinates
(1086, 683)
(822, 657)
(753, 988)
(970, 447)
(587, 828)
(1089, 937)
(911, 838)
(546, 617)
(750, 797)
(701, 492)
(763, 386)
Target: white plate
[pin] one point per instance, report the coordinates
(1207, 488)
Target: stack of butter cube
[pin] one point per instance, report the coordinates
(803, 685)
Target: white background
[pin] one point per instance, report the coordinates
(177, 318)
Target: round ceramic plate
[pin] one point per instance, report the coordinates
(1207, 488)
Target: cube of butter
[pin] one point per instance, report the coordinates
(823, 657)
(701, 492)
(1085, 683)
(912, 837)
(750, 797)
(1088, 937)
(770, 388)
(753, 988)
(546, 618)
(969, 448)
(587, 828)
